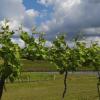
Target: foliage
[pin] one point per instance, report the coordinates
(34, 47)
(10, 54)
(64, 57)
(70, 59)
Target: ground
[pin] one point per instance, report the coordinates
(45, 87)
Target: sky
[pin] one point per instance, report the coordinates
(53, 17)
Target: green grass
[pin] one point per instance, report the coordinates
(80, 87)
(39, 66)
(28, 65)
(33, 76)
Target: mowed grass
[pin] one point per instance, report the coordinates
(80, 87)
(36, 66)
(28, 65)
(43, 66)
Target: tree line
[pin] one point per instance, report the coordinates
(65, 58)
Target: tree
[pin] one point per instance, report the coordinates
(92, 58)
(34, 47)
(66, 58)
(10, 55)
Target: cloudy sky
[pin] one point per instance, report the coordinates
(54, 16)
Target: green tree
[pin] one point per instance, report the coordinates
(92, 58)
(66, 58)
(34, 47)
(10, 55)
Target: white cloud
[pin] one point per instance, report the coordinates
(16, 13)
(71, 16)
(68, 16)
(32, 13)
(46, 2)
(19, 42)
(92, 39)
(48, 44)
(11, 9)
(29, 18)
(92, 30)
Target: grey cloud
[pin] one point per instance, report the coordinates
(74, 17)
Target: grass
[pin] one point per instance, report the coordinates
(39, 66)
(28, 65)
(33, 76)
(42, 66)
(80, 87)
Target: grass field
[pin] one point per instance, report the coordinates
(28, 65)
(80, 87)
(42, 66)
(39, 66)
